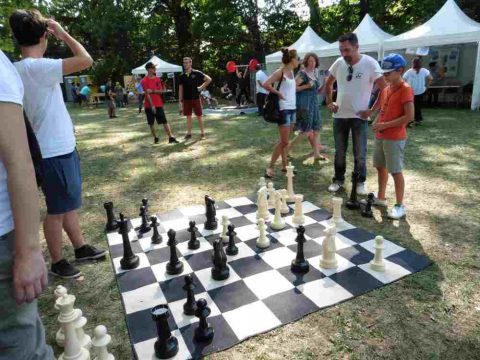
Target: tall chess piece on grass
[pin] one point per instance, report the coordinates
(220, 270)
(328, 259)
(143, 214)
(174, 266)
(231, 247)
(156, 237)
(353, 202)
(204, 332)
(210, 213)
(193, 243)
(299, 264)
(377, 264)
(190, 305)
(111, 221)
(367, 210)
(166, 345)
(129, 260)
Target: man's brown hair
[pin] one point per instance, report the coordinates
(28, 26)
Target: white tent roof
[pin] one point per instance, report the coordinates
(162, 67)
(449, 25)
(370, 38)
(308, 42)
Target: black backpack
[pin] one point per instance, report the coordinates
(271, 109)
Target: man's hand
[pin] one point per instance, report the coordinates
(149, 91)
(378, 127)
(365, 114)
(29, 276)
(333, 107)
(154, 111)
(56, 29)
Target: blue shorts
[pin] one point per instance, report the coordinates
(288, 117)
(62, 183)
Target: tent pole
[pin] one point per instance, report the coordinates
(476, 83)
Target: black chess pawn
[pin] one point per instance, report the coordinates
(353, 203)
(367, 210)
(166, 345)
(231, 247)
(204, 332)
(193, 243)
(129, 260)
(174, 266)
(220, 269)
(143, 214)
(156, 237)
(111, 221)
(190, 305)
(299, 264)
(210, 213)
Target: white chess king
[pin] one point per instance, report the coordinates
(290, 175)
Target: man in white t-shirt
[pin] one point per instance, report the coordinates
(355, 74)
(418, 78)
(262, 93)
(23, 274)
(51, 122)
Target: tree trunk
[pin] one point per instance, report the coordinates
(363, 8)
(314, 14)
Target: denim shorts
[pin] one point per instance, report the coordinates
(62, 184)
(288, 117)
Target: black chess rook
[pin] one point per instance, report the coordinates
(204, 332)
(166, 345)
(174, 266)
(111, 221)
(299, 264)
(129, 260)
(210, 213)
(353, 203)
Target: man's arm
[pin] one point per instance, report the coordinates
(180, 98)
(206, 81)
(333, 107)
(29, 272)
(81, 59)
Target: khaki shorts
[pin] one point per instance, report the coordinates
(389, 154)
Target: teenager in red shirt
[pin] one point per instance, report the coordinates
(153, 103)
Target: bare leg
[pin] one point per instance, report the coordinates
(399, 187)
(71, 224)
(294, 141)
(313, 138)
(189, 124)
(167, 129)
(52, 228)
(382, 182)
(279, 149)
(153, 131)
(200, 123)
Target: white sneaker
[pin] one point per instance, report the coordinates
(361, 189)
(335, 186)
(376, 201)
(397, 212)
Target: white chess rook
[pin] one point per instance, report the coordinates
(262, 211)
(290, 175)
(271, 194)
(100, 342)
(328, 259)
(298, 217)
(59, 337)
(278, 223)
(263, 241)
(337, 210)
(84, 340)
(284, 209)
(377, 264)
(224, 229)
(72, 348)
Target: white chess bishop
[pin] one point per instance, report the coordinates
(278, 223)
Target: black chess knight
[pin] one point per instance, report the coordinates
(210, 213)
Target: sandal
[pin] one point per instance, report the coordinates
(266, 175)
(294, 171)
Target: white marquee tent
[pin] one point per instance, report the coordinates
(370, 38)
(162, 67)
(308, 42)
(448, 26)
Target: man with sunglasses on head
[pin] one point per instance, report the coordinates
(355, 75)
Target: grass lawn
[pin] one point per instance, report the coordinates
(434, 314)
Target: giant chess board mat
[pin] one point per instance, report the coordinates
(261, 293)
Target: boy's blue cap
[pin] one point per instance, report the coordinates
(393, 62)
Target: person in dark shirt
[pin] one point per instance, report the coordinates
(191, 83)
(110, 99)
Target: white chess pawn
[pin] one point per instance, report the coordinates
(262, 182)
(67, 317)
(377, 264)
(224, 229)
(271, 194)
(328, 259)
(290, 175)
(262, 211)
(284, 209)
(100, 341)
(84, 340)
(337, 211)
(278, 223)
(59, 337)
(263, 241)
(298, 217)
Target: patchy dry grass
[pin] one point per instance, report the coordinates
(431, 315)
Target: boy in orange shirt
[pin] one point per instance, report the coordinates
(396, 111)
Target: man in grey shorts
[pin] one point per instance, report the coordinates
(23, 274)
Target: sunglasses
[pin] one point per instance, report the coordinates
(350, 73)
